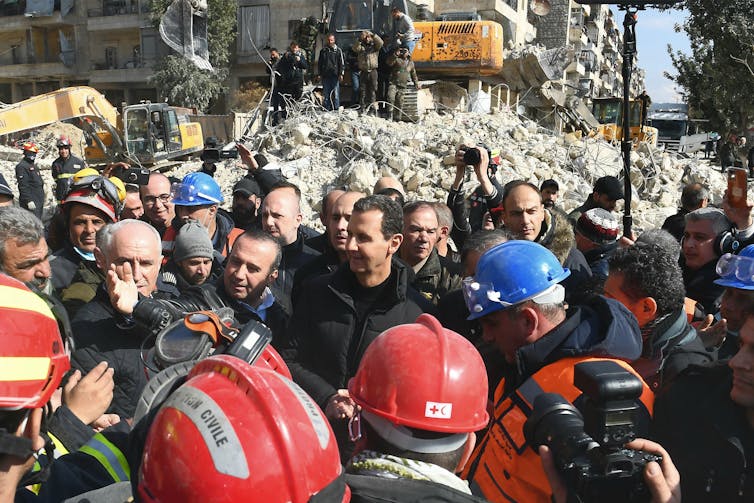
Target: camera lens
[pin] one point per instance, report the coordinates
(472, 157)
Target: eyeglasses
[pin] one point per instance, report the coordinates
(152, 200)
(479, 296)
(730, 265)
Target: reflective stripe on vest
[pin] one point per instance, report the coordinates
(504, 467)
(109, 457)
(59, 450)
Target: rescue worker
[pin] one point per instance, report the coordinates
(92, 202)
(517, 296)
(402, 72)
(417, 415)
(331, 68)
(198, 197)
(31, 188)
(367, 48)
(26, 388)
(64, 167)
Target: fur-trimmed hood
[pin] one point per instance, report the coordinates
(557, 233)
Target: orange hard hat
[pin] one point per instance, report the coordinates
(237, 432)
(30, 146)
(424, 376)
(33, 358)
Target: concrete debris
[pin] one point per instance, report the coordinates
(322, 150)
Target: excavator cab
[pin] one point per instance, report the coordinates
(609, 113)
(153, 132)
(349, 18)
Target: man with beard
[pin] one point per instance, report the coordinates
(23, 248)
(247, 196)
(549, 190)
(194, 261)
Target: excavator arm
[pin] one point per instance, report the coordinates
(97, 116)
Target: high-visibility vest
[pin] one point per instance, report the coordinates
(109, 456)
(59, 449)
(503, 467)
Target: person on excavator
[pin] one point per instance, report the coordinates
(64, 167)
(31, 188)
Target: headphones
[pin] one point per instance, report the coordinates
(726, 242)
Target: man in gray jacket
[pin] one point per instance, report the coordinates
(367, 48)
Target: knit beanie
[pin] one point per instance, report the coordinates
(598, 225)
(192, 241)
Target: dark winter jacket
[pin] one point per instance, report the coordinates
(331, 62)
(402, 71)
(291, 70)
(31, 188)
(676, 224)
(437, 277)
(465, 221)
(171, 274)
(325, 263)
(327, 343)
(368, 489)
(700, 285)
(707, 436)
(295, 255)
(670, 345)
(368, 55)
(601, 328)
(74, 278)
(574, 215)
(62, 169)
(158, 313)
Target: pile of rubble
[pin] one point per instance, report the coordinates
(322, 150)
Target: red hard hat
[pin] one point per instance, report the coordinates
(33, 358)
(64, 141)
(92, 198)
(236, 432)
(271, 359)
(423, 376)
(30, 146)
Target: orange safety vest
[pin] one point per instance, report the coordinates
(168, 242)
(503, 467)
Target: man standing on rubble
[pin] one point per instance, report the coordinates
(291, 69)
(402, 72)
(331, 67)
(64, 167)
(367, 47)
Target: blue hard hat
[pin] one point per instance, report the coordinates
(196, 189)
(511, 273)
(737, 271)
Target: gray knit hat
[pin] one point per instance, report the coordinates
(192, 241)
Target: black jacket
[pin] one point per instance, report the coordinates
(291, 70)
(707, 436)
(327, 343)
(68, 167)
(670, 345)
(331, 62)
(700, 285)
(31, 188)
(159, 313)
(676, 224)
(437, 277)
(74, 279)
(171, 273)
(295, 255)
(368, 489)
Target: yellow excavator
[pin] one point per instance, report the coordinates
(609, 113)
(145, 134)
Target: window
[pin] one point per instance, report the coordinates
(253, 28)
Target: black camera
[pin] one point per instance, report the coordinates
(472, 157)
(587, 442)
(215, 154)
(136, 176)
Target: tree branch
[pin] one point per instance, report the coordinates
(744, 62)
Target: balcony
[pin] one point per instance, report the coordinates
(576, 67)
(36, 70)
(576, 35)
(117, 14)
(21, 22)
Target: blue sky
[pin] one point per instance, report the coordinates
(654, 31)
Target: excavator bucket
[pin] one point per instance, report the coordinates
(183, 27)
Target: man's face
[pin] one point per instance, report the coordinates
(368, 250)
(132, 207)
(28, 263)
(503, 329)
(604, 202)
(204, 214)
(331, 40)
(340, 215)
(549, 197)
(156, 199)
(249, 269)
(64, 152)
(735, 305)
(137, 246)
(742, 391)
(523, 213)
(6, 200)
(698, 244)
(281, 215)
(613, 289)
(83, 223)
(245, 207)
(195, 270)
(419, 235)
(274, 55)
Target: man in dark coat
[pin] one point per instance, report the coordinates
(331, 68)
(291, 71)
(648, 281)
(338, 315)
(693, 197)
(64, 167)
(31, 188)
(607, 191)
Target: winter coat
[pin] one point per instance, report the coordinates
(75, 279)
(437, 277)
(670, 345)
(327, 343)
(368, 55)
(295, 255)
(676, 224)
(707, 436)
(369, 489)
(31, 188)
(62, 170)
(331, 62)
(158, 313)
(575, 214)
(226, 234)
(700, 285)
(402, 71)
(291, 70)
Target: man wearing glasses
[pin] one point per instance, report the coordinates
(159, 211)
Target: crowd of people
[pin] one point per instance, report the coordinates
(411, 345)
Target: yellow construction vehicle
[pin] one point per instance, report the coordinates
(609, 113)
(145, 134)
